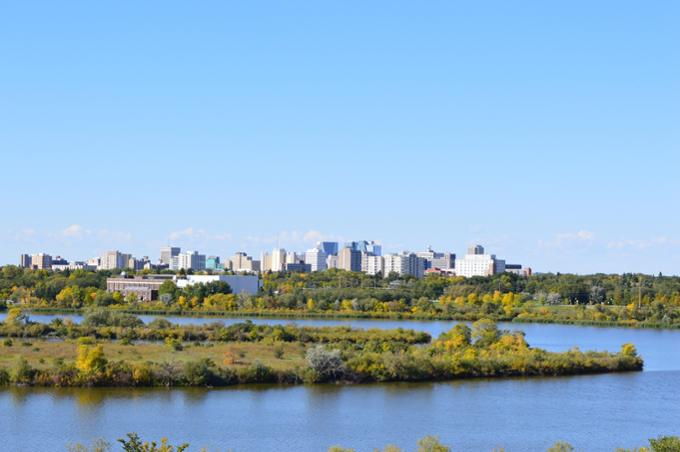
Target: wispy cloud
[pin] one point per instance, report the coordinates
(565, 239)
(25, 234)
(74, 231)
(643, 244)
(192, 234)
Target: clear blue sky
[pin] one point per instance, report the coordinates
(548, 131)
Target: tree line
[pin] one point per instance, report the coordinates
(627, 299)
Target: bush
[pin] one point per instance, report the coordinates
(106, 317)
(327, 365)
(174, 344)
(200, 373)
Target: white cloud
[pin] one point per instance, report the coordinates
(563, 239)
(189, 233)
(119, 236)
(73, 231)
(25, 234)
(193, 234)
(644, 244)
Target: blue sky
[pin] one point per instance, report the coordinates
(548, 132)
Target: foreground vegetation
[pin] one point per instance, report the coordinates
(627, 300)
(133, 443)
(113, 349)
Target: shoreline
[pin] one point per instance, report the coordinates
(301, 315)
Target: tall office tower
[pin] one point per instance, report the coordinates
(213, 263)
(41, 261)
(265, 262)
(404, 264)
(278, 260)
(331, 262)
(114, 259)
(329, 248)
(292, 257)
(476, 250)
(316, 259)
(167, 253)
(25, 261)
(349, 259)
(372, 264)
(240, 261)
(190, 260)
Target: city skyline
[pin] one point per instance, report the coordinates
(217, 245)
(355, 256)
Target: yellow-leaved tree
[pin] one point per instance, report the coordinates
(90, 358)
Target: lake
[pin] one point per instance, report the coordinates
(594, 413)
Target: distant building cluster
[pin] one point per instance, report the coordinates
(361, 256)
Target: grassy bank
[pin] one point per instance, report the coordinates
(116, 349)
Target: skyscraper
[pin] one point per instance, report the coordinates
(278, 260)
(329, 248)
(349, 259)
(316, 259)
(190, 260)
(167, 253)
(404, 264)
(114, 259)
(25, 261)
(41, 261)
(476, 250)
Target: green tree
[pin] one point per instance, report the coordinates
(432, 444)
(561, 446)
(133, 443)
(485, 332)
(665, 444)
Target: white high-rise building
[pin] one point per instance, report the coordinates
(372, 265)
(114, 259)
(278, 260)
(476, 263)
(404, 264)
(189, 260)
(331, 261)
(167, 253)
(292, 257)
(316, 258)
(265, 262)
(240, 262)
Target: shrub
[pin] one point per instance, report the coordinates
(326, 364)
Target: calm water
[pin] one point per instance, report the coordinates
(593, 412)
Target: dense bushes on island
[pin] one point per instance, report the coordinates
(335, 354)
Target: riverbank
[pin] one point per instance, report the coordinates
(118, 350)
